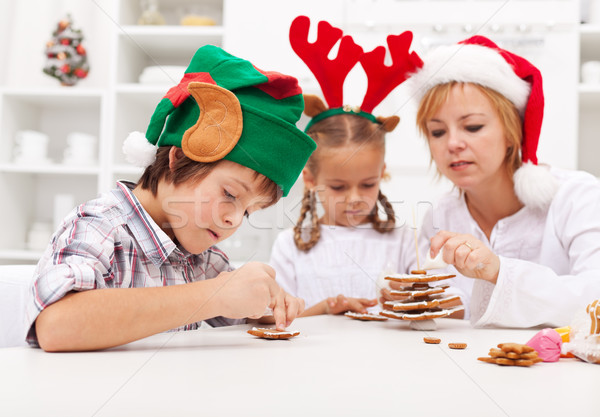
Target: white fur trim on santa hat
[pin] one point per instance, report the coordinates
(138, 151)
(535, 185)
(474, 64)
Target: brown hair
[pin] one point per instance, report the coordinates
(506, 110)
(185, 169)
(333, 132)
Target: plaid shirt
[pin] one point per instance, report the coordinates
(112, 242)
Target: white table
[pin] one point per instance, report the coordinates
(337, 366)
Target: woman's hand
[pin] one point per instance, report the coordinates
(470, 256)
(341, 304)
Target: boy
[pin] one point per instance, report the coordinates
(217, 159)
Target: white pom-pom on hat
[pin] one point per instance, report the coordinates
(535, 185)
(138, 151)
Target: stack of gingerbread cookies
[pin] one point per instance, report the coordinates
(421, 300)
(512, 354)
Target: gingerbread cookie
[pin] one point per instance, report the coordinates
(593, 309)
(432, 340)
(425, 315)
(512, 354)
(272, 333)
(406, 305)
(416, 293)
(515, 347)
(364, 317)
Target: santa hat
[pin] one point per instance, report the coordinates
(480, 61)
(226, 108)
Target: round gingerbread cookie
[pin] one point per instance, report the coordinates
(272, 333)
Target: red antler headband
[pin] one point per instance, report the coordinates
(331, 74)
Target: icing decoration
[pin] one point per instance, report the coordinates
(364, 316)
(435, 263)
(418, 277)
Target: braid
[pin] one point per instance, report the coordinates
(309, 204)
(379, 225)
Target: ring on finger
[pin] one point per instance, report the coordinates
(468, 245)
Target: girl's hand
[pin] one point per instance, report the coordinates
(470, 256)
(341, 304)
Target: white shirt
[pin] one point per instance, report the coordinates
(549, 261)
(345, 260)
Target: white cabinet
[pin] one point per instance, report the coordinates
(589, 103)
(111, 102)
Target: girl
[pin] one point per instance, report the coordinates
(528, 234)
(334, 263)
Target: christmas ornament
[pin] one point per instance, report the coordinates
(66, 56)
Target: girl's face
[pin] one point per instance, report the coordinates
(467, 140)
(199, 215)
(347, 183)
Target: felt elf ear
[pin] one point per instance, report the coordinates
(219, 125)
(388, 123)
(313, 105)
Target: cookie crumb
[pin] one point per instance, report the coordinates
(457, 345)
(432, 340)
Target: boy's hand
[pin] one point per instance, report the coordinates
(341, 304)
(250, 289)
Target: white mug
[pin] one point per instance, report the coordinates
(81, 149)
(590, 72)
(31, 146)
(39, 235)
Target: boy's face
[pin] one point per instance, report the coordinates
(199, 215)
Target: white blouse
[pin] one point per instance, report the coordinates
(549, 261)
(346, 260)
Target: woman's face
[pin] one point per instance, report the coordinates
(467, 140)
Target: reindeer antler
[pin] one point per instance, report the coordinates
(383, 79)
(329, 73)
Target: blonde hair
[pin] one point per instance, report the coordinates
(334, 132)
(506, 110)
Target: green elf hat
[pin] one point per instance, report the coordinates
(226, 108)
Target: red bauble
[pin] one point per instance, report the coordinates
(79, 73)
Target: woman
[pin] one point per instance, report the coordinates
(528, 234)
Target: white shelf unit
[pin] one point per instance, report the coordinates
(109, 104)
(589, 103)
